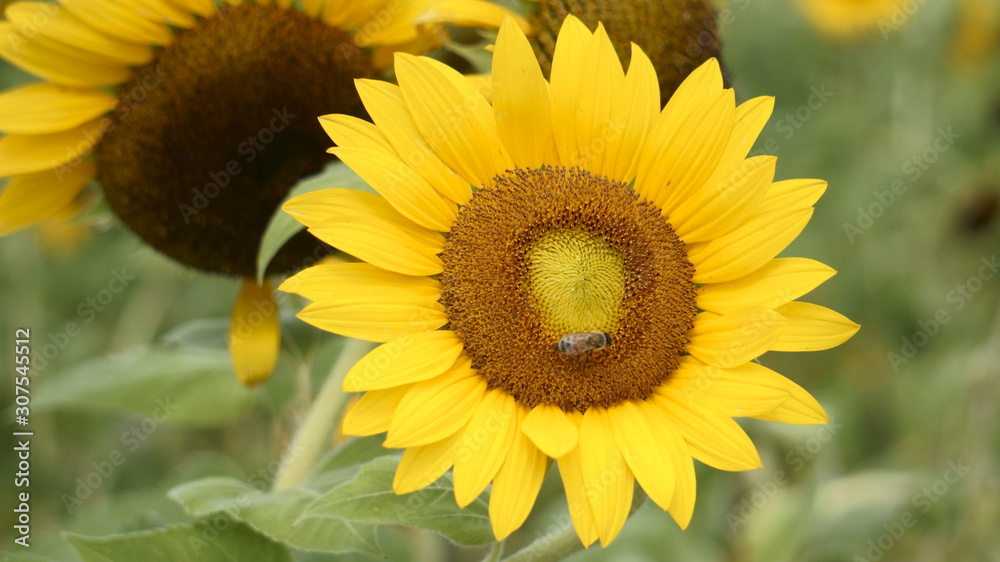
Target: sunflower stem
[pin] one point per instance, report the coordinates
(495, 552)
(556, 545)
(563, 542)
(313, 434)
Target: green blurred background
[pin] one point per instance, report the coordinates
(903, 123)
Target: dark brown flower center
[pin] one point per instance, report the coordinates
(208, 138)
(676, 35)
(553, 253)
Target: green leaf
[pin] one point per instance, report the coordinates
(368, 497)
(277, 515)
(212, 494)
(282, 226)
(475, 53)
(218, 539)
(193, 386)
(356, 451)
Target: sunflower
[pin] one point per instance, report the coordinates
(974, 39)
(196, 118)
(565, 273)
(845, 19)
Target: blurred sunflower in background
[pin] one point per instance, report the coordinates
(565, 272)
(677, 35)
(976, 28)
(847, 19)
(196, 118)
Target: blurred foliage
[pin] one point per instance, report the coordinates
(140, 428)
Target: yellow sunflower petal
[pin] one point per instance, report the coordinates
(47, 108)
(347, 14)
(367, 227)
(120, 20)
(372, 413)
(570, 65)
(682, 500)
(606, 475)
(164, 11)
(437, 408)
(696, 90)
(687, 140)
(483, 83)
(747, 248)
(724, 201)
(633, 119)
(681, 154)
(712, 436)
(470, 13)
(413, 358)
(422, 466)
(23, 154)
(796, 413)
(521, 100)
(83, 201)
(363, 301)
(453, 118)
(350, 131)
(551, 430)
(733, 339)
(204, 8)
(54, 49)
(401, 186)
(342, 282)
(587, 81)
(30, 198)
(398, 25)
(516, 485)
(751, 116)
(779, 282)
(799, 408)
(745, 390)
(67, 28)
(580, 511)
(686, 491)
(639, 434)
(255, 333)
(813, 328)
(315, 207)
(378, 239)
(485, 444)
(791, 194)
(56, 62)
(385, 104)
(376, 320)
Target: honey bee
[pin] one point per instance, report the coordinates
(579, 343)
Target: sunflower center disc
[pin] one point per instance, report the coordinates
(549, 252)
(209, 137)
